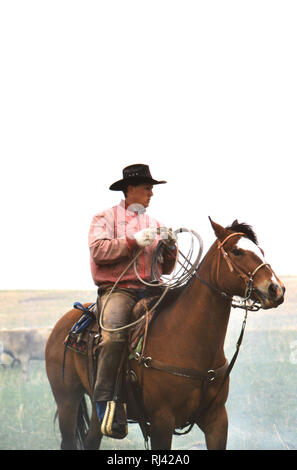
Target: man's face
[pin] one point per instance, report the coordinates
(140, 194)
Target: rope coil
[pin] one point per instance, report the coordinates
(176, 279)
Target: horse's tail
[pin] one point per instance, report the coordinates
(83, 423)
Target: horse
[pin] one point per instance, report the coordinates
(183, 376)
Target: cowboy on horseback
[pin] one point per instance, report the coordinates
(115, 236)
(181, 376)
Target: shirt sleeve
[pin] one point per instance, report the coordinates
(104, 248)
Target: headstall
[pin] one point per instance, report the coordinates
(247, 277)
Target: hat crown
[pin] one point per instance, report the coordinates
(139, 170)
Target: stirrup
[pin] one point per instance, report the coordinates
(114, 423)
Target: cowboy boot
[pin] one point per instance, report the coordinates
(108, 363)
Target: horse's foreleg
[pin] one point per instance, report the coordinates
(162, 427)
(215, 428)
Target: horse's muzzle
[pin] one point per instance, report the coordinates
(271, 296)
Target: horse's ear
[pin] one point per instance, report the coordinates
(218, 230)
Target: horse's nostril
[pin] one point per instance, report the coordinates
(273, 289)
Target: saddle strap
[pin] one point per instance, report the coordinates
(90, 352)
(211, 375)
(135, 397)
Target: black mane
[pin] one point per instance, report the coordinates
(244, 228)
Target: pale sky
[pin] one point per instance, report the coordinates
(203, 91)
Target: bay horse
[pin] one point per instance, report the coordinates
(187, 336)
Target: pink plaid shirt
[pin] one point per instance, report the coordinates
(112, 246)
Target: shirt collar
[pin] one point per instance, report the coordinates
(133, 208)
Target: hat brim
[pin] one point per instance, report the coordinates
(134, 180)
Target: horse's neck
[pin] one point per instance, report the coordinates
(201, 316)
(209, 311)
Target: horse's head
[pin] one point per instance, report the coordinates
(240, 269)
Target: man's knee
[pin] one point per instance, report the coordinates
(108, 337)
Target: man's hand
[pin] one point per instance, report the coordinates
(145, 237)
(168, 236)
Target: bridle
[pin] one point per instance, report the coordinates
(248, 278)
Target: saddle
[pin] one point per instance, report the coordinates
(86, 334)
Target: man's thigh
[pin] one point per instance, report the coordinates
(117, 309)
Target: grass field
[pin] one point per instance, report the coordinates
(262, 405)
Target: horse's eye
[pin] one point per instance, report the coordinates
(237, 252)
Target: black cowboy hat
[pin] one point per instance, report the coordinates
(135, 174)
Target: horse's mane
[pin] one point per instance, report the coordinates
(244, 228)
